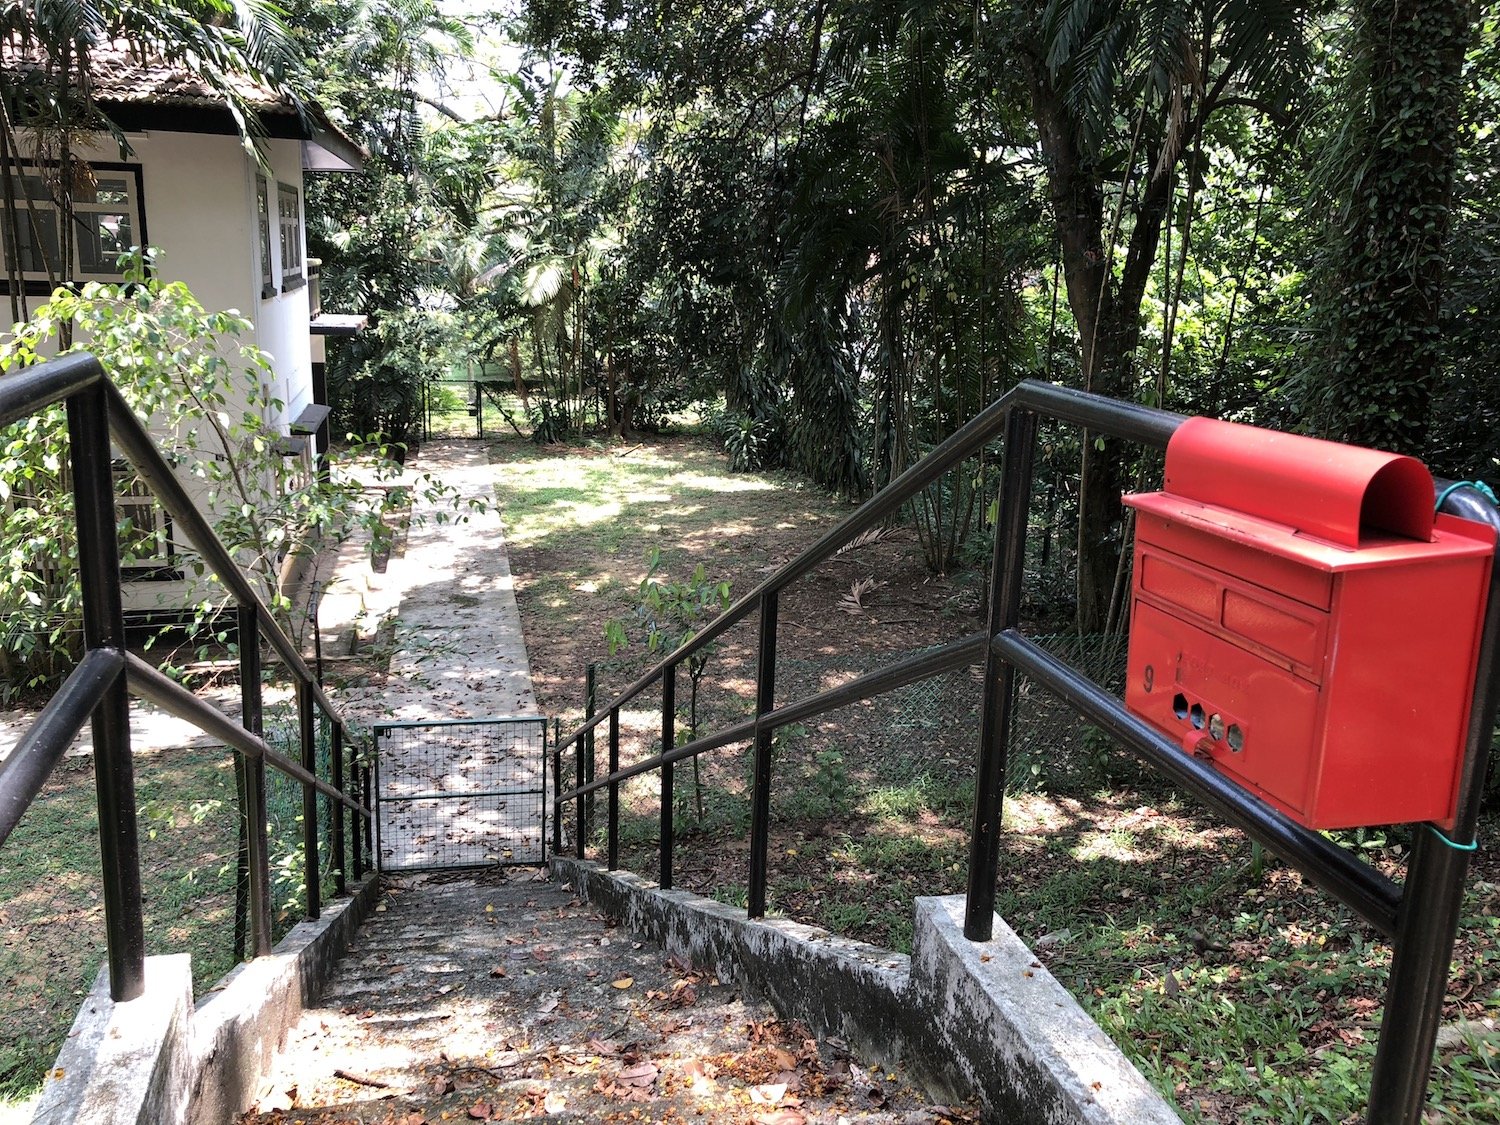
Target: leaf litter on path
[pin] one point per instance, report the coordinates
(616, 1033)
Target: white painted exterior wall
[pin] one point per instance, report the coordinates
(199, 206)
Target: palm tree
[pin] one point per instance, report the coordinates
(1120, 92)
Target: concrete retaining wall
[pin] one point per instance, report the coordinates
(965, 1018)
(159, 1060)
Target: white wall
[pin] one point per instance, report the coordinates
(198, 199)
(198, 196)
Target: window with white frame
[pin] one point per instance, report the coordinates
(263, 223)
(107, 222)
(146, 548)
(290, 213)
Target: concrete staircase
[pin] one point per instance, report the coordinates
(502, 996)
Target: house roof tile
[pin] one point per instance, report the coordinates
(144, 92)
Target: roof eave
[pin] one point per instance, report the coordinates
(324, 147)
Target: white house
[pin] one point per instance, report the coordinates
(229, 226)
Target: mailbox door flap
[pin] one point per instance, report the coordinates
(1181, 528)
(1279, 628)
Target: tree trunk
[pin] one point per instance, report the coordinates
(1373, 385)
(1106, 310)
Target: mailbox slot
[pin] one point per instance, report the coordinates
(1301, 619)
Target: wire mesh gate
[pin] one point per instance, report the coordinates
(461, 793)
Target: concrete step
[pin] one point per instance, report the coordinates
(499, 997)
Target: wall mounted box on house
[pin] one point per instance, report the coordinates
(1301, 619)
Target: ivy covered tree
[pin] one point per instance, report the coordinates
(1387, 186)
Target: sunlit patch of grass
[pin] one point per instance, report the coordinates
(51, 908)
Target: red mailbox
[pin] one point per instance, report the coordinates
(1301, 619)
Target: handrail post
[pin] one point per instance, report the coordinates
(104, 627)
(556, 787)
(542, 828)
(580, 825)
(586, 762)
(368, 778)
(668, 739)
(250, 777)
(309, 802)
(356, 840)
(336, 808)
(760, 797)
(614, 789)
(1006, 573)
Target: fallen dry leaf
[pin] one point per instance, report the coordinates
(641, 1074)
(480, 1111)
(624, 982)
(780, 1117)
(768, 1094)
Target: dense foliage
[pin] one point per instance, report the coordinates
(844, 229)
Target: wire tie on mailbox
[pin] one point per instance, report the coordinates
(1477, 485)
(1471, 846)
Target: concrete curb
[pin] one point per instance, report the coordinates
(158, 1060)
(123, 1062)
(965, 1018)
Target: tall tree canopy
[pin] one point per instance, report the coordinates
(846, 228)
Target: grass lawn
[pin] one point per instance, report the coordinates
(1242, 992)
(52, 912)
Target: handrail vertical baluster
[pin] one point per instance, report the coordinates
(556, 765)
(614, 789)
(251, 778)
(591, 684)
(369, 778)
(556, 788)
(580, 813)
(104, 627)
(1006, 573)
(308, 736)
(357, 856)
(760, 797)
(668, 739)
(336, 810)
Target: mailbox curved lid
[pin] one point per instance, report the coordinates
(1339, 493)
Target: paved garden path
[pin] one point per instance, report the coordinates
(469, 791)
(460, 652)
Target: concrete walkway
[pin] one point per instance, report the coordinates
(470, 791)
(460, 652)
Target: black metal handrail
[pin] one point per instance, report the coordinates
(97, 689)
(1421, 916)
